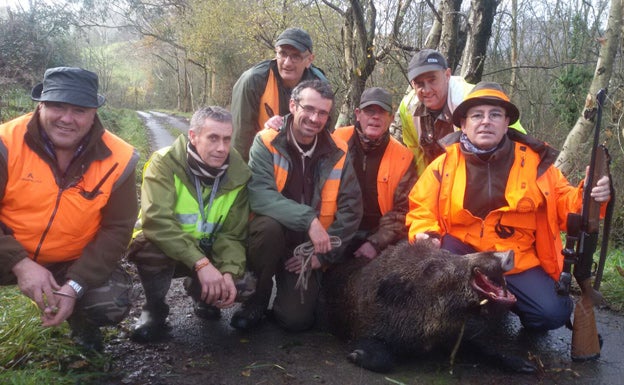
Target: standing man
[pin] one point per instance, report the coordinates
(425, 113)
(67, 207)
(264, 90)
(385, 171)
(194, 213)
(497, 189)
(303, 188)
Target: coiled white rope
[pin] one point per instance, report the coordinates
(306, 251)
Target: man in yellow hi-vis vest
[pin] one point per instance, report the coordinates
(425, 113)
(194, 213)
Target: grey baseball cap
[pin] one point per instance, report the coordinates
(425, 60)
(378, 96)
(71, 85)
(296, 37)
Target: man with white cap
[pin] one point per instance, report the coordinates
(425, 113)
(264, 90)
(67, 207)
(385, 171)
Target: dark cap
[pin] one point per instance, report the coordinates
(425, 60)
(296, 37)
(378, 96)
(488, 93)
(69, 85)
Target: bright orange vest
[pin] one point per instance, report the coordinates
(329, 192)
(269, 98)
(54, 225)
(536, 230)
(396, 160)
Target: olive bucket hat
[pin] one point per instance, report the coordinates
(70, 85)
(488, 93)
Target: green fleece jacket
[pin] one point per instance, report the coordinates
(160, 226)
(246, 95)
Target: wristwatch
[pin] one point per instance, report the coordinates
(77, 288)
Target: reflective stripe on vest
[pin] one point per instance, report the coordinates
(269, 100)
(329, 192)
(394, 164)
(55, 225)
(186, 210)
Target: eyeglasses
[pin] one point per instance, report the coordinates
(493, 116)
(309, 110)
(295, 58)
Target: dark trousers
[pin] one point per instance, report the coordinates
(539, 306)
(293, 309)
(156, 270)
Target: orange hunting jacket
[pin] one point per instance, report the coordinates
(539, 198)
(52, 223)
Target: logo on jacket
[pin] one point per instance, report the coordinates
(30, 178)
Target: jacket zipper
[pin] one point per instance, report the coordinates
(50, 221)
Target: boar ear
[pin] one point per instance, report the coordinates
(394, 289)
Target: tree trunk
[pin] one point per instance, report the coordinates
(449, 12)
(575, 145)
(514, 48)
(479, 31)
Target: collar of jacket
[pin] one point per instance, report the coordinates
(548, 155)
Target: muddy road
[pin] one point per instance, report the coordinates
(211, 352)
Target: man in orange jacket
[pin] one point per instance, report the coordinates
(498, 189)
(67, 207)
(386, 173)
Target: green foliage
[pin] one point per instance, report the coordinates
(31, 354)
(612, 286)
(569, 93)
(34, 39)
(127, 125)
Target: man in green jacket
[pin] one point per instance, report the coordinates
(194, 213)
(264, 90)
(303, 189)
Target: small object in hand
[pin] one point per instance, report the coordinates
(54, 309)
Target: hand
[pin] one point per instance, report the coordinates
(229, 295)
(37, 283)
(319, 237)
(66, 299)
(424, 236)
(295, 263)
(274, 122)
(602, 190)
(366, 250)
(213, 286)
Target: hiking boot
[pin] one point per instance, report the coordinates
(205, 311)
(248, 317)
(86, 335)
(150, 328)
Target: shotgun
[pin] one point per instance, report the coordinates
(581, 242)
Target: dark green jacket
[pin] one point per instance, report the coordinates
(246, 95)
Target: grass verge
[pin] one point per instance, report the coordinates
(31, 354)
